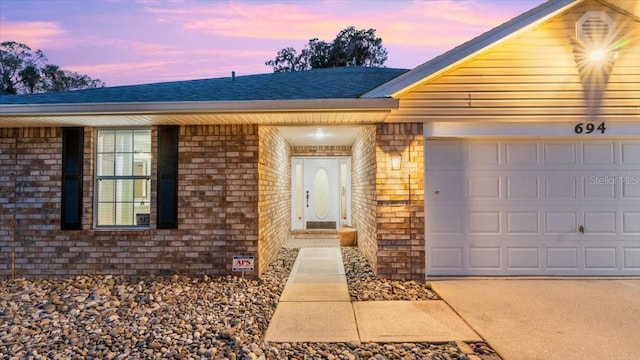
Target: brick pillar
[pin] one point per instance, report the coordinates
(8, 165)
(400, 202)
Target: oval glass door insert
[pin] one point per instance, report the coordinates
(321, 196)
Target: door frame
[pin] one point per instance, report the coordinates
(343, 198)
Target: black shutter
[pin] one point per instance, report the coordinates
(72, 160)
(168, 177)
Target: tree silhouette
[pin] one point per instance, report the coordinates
(351, 47)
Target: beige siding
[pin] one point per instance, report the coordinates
(536, 75)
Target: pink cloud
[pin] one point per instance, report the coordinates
(418, 23)
(33, 33)
(254, 20)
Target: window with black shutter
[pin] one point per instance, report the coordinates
(167, 177)
(72, 160)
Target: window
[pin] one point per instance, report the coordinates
(123, 177)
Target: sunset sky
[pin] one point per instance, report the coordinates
(132, 42)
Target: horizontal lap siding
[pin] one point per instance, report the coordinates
(534, 76)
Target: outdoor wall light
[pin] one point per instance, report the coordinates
(395, 159)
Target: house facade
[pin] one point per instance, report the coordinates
(516, 153)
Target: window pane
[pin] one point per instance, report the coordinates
(124, 164)
(106, 141)
(142, 190)
(141, 166)
(142, 213)
(124, 213)
(106, 191)
(124, 141)
(106, 214)
(142, 141)
(124, 190)
(105, 164)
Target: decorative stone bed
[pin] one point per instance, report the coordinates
(113, 317)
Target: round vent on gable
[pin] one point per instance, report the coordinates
(595, 29)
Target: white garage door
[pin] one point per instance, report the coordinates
(538, 207)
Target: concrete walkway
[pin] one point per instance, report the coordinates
(551, 318)
(315, 306)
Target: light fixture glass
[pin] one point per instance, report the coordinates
(395, 159)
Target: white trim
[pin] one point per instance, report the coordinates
(528, 129)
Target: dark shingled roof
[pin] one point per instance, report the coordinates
(332, 83)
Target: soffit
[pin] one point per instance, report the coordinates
(305, 112)
(126, 120)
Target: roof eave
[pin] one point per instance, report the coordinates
(186, 107)
(471, 48)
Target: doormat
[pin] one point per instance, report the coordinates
(315, 236)
(326, 225)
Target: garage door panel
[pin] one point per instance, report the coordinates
(560, 187)
(631, 223)
(524, 153)
(630, 153)
(522, 222)
(483, 187)
(521, 204)
(598, 153)
(446, 258)
(562, 258)
(600, 222)
(483, 222)
(561, 222)
(560, 153)
(594, 189)
(631, 258)
(630, 187)
(485, 258)
(446, 189)
(523, 187)
(600, 258)
(484, 153)
(444, 154)
(523, 258)
(446, 220)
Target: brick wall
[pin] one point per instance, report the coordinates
(363, 192)
(229, 175)
(321, 151)
(400, 202)
(8, 160)
(274, 199)
(218, 208)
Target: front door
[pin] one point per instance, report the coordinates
(320, 192)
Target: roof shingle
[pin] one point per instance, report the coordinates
(330, 83)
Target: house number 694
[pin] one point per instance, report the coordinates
(588, 128)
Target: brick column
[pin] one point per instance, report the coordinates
(400, 202)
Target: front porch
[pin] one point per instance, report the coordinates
(387, 206)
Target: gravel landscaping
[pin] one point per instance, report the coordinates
(364, 286)
(114, 317)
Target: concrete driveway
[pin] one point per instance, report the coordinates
(550, 319)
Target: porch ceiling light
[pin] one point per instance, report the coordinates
(395, 159)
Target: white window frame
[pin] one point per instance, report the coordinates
(114, 177)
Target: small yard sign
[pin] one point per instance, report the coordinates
(243, 263)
